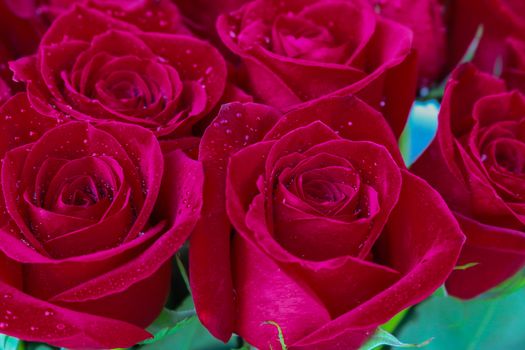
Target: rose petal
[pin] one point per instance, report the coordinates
(235, 126)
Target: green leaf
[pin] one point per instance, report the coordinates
(183, 272)
(479, 324)
(171, 321)
(192, 337)
(441, 292)
(473, 47)
(437, 92)
(279, 332)
(40, 346)
(245, 346)
(10, 343)
(382, 337)
(391, 325)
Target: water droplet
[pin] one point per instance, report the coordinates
(61, 326)
(48, 313)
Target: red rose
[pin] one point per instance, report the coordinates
(332, 235)
(514, 64)
(501, 19)
(426, 20)
(88, 226)
(477, 163)
(94, 67)
(148, 15)
(5, 91)
(300, 50)
(18, 37)
(202, 14)
(19, 31)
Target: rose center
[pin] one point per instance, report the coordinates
(300, 38)
(510, 155)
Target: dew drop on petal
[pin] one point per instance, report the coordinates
(48, 313)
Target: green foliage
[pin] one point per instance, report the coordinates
(479, 324)
(10, 343)
(473, 47)
(382, 338)
(441, 292)
(192, 336)
(391, 325)
(171, 321)
(183, 272)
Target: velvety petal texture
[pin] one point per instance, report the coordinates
(514, 64)
(90, 217)
(477, 163)
(325, 231)
(426, 18)
(97, 63)
(299, 50)
(501, 20)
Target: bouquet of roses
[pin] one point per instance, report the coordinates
(208, 175)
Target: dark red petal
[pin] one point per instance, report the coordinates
(427, 253)
(63, 327)
(266, 293)
(349, 116)
(497, 259)
(236, 126)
